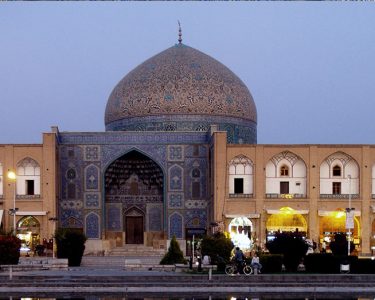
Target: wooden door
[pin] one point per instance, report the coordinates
(134, 229)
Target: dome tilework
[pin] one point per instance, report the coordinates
(180, 81)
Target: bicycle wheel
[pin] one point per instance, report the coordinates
(229, 270)
(247, 270)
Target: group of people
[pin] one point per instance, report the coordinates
(239, 258)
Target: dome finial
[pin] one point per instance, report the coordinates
(179, 33)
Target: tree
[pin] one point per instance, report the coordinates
(291, 245)
(174, 254)
(9, 249)
(70, 244)
(218, 247)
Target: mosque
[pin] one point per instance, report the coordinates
(179, 157)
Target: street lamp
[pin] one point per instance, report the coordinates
(13, 177)
(349, 213)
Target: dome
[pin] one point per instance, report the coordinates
(182, 89)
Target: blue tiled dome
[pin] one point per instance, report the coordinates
(182, 89)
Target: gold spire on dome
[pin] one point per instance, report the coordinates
(179, 33)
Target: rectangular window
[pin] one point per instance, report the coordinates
(29, 185)
(336, 188)
(238, 185)
(284, 187)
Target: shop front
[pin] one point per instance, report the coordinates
(28, 231)
(286, 219)
(242, 231)
(332, 223)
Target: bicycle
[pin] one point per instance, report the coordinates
(232, 269)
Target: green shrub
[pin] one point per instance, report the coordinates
(271, 263)
(9, 249)
(174, 254)
(70, 244)
(218, 247)
(291, 245)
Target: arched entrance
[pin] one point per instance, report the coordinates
(28, 231)
(134, 199)
(334, 222)
(240, 229)
(286, 219)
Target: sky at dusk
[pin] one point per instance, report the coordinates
(310, 66)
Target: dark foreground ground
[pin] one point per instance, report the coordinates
(100, 281)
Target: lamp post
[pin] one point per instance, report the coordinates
(349, 214)
(13, 177)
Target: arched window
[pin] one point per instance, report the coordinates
(240, 177)
(336, 170)
(28, 177)
(286, 176)
(284, 170)
(339, 177)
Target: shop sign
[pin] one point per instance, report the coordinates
(349, 224)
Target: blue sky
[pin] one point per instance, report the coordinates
(310, 66)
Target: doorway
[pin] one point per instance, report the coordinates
(134, 229)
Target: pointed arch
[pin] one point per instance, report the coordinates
(176, 177)
(335, 171)
(241, 180)
(134, 178)
(28, 177)
(176, 225)
(92, 225)
(286, 174)
(92, 175)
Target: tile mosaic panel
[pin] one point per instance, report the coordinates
(155, 217)
(92, 153)
(175, 178)
(196, 218)
(92, 177)
(92, 200)
(175, 200)
(92, 226)
(175, 226)
(114, 217)
(176, 153)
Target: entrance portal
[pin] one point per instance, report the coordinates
(134, 199)
(134, 229)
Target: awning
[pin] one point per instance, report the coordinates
(31, 213)
(295, 212)
(325, 213)
(1, 215)
(250, 216)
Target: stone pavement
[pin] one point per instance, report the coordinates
(80, 281)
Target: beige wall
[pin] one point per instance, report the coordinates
(313, 156)
(41, 208)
